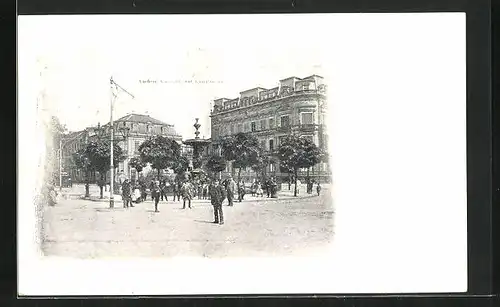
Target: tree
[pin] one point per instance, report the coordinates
(296, 152)
(82, 162)
(136, 163)
(216, 164)
(160, 152)
(285, 168)
(243, 149)
(263, 161)
(99, 154)
(180, 167)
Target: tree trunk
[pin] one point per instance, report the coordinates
(158, 174)
(232, 169)
(295, 190)
(87, 191)
(101, 186)
(289, 181)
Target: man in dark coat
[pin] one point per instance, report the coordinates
(268, 187)
(217, 195)
(155, 193)
(177, 190)
(163, 190)
(127, 194)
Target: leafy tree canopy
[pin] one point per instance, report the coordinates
(262, 162)
(243, 149)
(181, 165)
(136, 163)
(216, 163)
(160, 151)
(99, 154)
(297, 152)
(81, 160)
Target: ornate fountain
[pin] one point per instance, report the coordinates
(198, 144)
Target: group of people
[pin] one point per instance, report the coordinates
(310, 185)
(214, 190)
(187, 189)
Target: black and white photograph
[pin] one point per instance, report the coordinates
(222, 154)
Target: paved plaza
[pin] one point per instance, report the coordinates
(255, 227)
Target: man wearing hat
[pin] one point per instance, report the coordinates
(230, 187)
(155, 193)
(127, 194)
(217, 195)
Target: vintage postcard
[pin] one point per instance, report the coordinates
(247, 154)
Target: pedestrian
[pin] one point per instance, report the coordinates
(178, 191)
(155, 194)
(259, 191)
(273, 188)
(254, 187)
(217, 194)
(163, 190)
(187, 194)
(200, 190)
(127, 194)
(151, 186)
(241, 191)
(318, 188)
(205, 190)
(137, 194)
(144, 193)
(267, 185)
(230, 187)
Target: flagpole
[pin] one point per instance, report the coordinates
(111, 168)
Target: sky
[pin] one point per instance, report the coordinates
(221, 55)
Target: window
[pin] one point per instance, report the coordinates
(253, 127)
(137, 144)
(240, 127)
(307, 118)
(271, 123)
(305, 87)
(285, 121)
(232, 128)
(271, 145)
(263, 124)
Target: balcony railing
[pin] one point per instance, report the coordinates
(259, 101)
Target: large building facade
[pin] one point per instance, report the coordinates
(297, 105)
(129, 132)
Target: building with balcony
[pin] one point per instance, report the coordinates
(296, 105)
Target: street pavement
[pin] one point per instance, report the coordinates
(255, 227)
